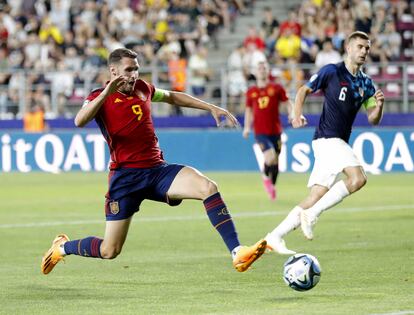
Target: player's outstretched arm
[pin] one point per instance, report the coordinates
(375, 112)
(186, 100)
(298, 120)
(89, 109)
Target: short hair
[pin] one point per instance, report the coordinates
(119, 53)
(357, 34)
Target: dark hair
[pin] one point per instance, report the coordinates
(357, 34)
(118, 54)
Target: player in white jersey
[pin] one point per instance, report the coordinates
(346, 88)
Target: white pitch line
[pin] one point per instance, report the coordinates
(200, 217)
(396, 313)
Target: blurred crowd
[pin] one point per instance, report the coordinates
(57, 49)
(64, 43)
(314, 33)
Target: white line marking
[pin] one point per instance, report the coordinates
(200, 217)
(396, 313)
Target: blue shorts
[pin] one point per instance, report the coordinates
(128, 187)
(269, 141)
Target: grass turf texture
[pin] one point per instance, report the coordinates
(174, 262)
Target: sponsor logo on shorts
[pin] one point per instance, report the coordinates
(114, 207)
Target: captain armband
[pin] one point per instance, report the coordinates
(159, 95)
(371, 102)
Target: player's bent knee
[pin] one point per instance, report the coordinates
(110, 252)
(209, 188)
(357, 183)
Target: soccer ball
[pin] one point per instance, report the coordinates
(301, 272)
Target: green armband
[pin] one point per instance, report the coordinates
(159, 95)
(371, 102)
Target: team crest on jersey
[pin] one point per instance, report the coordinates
(114, 207)
(254, 94)
(361, 91)
(270, 91)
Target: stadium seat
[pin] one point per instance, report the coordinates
(373, 71)
(411, 89)
(391, 72)
(392, 90)
(410, 72)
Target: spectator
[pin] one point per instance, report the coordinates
(390, 41)
(327, 55)
(288, 45)
(177, 76)
(292, 24)
(199, 71)
(363, 21)
(253, 37)
(251, 59)
(48, 30)
(236, 81)
(34, 119)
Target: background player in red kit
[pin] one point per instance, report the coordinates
(262, 108)
(122, 109)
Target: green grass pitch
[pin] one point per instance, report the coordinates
(174, 262)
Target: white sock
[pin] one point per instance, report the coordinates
(234, 251)
(62, 250)
(291, 222)
(330, 199)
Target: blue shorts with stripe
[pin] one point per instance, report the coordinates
(128, 187)
(269, 141)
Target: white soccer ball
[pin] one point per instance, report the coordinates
(301, 272)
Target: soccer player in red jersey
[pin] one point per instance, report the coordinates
(122, 109)
(262, 108)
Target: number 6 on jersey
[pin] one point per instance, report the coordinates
(342, 94)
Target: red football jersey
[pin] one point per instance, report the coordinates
(265, 105)
(125, 122)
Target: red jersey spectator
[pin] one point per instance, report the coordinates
(254, 38)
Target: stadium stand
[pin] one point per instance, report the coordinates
(53, 52)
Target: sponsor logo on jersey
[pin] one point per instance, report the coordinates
(114, 207)
(141, 96)
(118, 100)
(254, 94)
(86, 102)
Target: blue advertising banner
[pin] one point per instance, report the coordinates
(379, 150)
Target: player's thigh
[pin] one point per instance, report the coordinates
(270, 146)
(355, 172)
(190, 183)
(316, 192)
(116, 232)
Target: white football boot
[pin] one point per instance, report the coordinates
(307, 222)
(278, 245)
